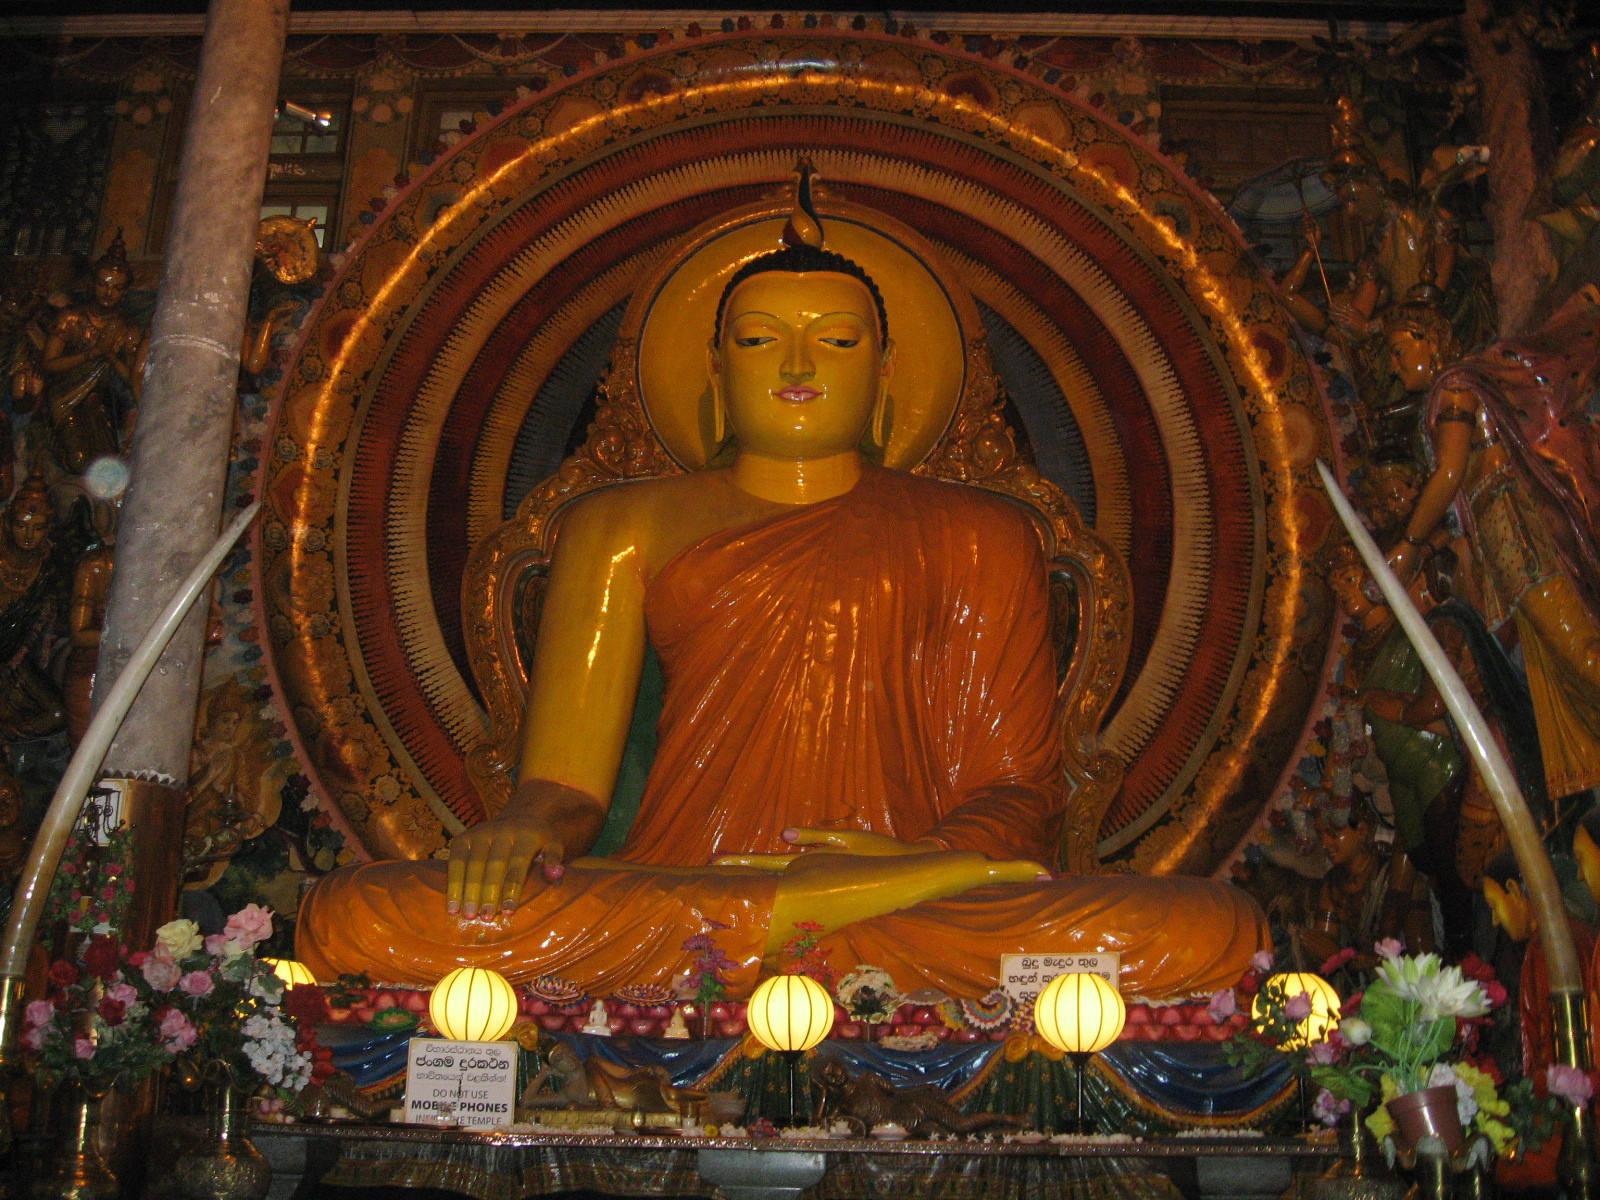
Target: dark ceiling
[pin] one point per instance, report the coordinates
(1343, 10)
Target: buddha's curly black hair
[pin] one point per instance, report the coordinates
(801, 259)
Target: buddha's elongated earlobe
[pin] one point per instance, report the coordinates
(713, 412)
(883, 411)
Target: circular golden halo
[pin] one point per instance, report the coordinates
(675, 311)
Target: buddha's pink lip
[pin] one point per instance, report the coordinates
(797, 393)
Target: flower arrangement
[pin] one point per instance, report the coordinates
(806, 959)
(705, 983)
(222, 1005)
(869, 994)
(94, 1024)
(1411, 1029)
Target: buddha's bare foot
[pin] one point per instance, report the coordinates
(835, 890)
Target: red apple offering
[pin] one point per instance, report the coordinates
(616, 1024)
(1172, 1014)
(721, 1011)
(731, 1027)
(552, 1022)
(847, 1029)
(642, 1027)
(626, 1011)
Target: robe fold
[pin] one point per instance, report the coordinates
(879, 661)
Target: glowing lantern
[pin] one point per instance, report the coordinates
(473, 1004)
(293, 974)
(791, 1013)
(1325, 1005)
(1081, 1014)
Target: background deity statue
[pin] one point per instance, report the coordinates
(1515, 456)
(93, 361)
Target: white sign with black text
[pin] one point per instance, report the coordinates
(470, 1084)
(1023, 976)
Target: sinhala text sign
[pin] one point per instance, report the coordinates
(1023, 976)
(471, 1084)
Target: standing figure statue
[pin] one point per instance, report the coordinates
(1516, 455)
(93, 360)
(33, 577)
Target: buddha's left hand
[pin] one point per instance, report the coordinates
(854, 842)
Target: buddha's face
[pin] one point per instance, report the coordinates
(800, 368)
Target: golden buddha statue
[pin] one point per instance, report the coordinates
(859, 725)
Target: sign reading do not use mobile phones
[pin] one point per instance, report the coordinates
(471, 1084)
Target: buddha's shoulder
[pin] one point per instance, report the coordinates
(637, 509)
(958, 502)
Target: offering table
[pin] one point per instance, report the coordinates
(509, 1166)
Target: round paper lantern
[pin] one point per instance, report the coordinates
(293, 974)
(790, 1012)
(473, 1004)
(1325, 1005)
(1079, 1013)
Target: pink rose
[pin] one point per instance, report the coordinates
(1223, 1005)
(125, 993)
(161, 973)
(83, 1048)
(200, 983)
(1324, 1053)
(34, 1039)
(1389, 948)
(177, 1034)
(1571, 1084)
(250, 925)
(1262, 960)
(217, 945)
(1298, 1008)
(39, 1012)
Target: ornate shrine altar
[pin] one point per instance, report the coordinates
(454, 355)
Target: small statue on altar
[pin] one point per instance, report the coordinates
(93, 361)
(865, 1100)
(596, 1083)
(599, 1023)
(1517, 458)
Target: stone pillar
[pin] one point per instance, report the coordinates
(172, 512)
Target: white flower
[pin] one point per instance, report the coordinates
(270, 1046)
(1355, 1031)
(181, 938)
(1444, 1075)
(1442, 992)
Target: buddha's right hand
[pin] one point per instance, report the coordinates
(544, 822)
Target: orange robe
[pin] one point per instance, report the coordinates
(878, 661)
